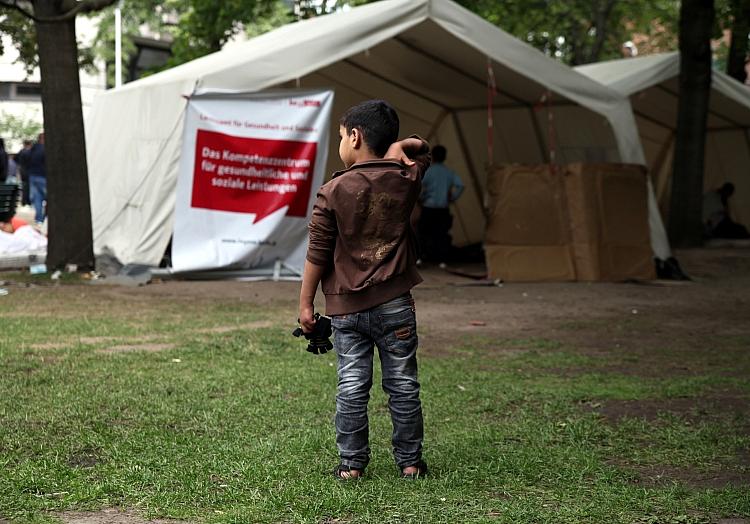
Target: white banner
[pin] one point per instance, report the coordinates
(250, 168)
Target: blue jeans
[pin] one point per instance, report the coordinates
(38, 194)
(392, 327)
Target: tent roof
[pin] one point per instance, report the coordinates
(297, 49)
(729, 105)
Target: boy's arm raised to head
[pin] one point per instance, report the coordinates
(412, 151)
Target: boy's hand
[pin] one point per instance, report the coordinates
(306, 318)
(398, 150)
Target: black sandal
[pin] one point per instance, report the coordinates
(421, 471)
(343, 468)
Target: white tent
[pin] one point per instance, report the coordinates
(652, 83)
(429, 58)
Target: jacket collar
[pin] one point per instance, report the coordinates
(380, 162)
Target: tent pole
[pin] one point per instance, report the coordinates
(366, 95)
(391, 82)
(710, 111)
(509, 106)
(467, 158)
(436, 125)
(461, 221)
(730, 128)
(455, 69)
(539, 137)
(651, 119)
(661, 181)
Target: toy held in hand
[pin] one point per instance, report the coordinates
(318, 339)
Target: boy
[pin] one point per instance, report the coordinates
(362, 248)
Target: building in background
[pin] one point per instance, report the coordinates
(21, 94)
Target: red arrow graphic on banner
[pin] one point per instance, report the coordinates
(252, 175)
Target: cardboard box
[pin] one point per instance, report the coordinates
(530, 263)
(608, 209)
(528, 233)
(527, 207)
(577, 222)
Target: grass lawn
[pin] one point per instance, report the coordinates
(209, 411)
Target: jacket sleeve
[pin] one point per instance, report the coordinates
(323, 231)
(422, 156)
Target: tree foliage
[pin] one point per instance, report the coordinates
(194, 27)
(22, 34)
(17, 128)
(204, 26)
(739, 15)
(574, 31)
(581, 31)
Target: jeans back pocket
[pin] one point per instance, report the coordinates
(399, 329)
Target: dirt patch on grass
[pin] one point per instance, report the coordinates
(88, 341)
(45, 359)
(228, 329)
(109, 516)
(85, 458)
(49, 346)
(694, 409)
(95, 340)
(662, 475)
(129, 348)
(335, 520)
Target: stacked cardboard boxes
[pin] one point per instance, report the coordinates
(575, 222)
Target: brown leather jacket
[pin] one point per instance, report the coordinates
(361, 233)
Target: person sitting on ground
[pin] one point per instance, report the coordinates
(18, 237)
(10, 226)
(362, 248)
(440, 187)
(717, 217)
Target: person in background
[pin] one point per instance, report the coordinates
(12, 176)
(717, 217)
(22, 161)
(11, 225)
(440, 187)
(3, 162)
(37, 170)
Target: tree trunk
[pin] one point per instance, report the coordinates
(738, 47)
(601, 23)
(68, 205)
(685, 221)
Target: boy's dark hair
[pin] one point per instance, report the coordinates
(438, 154)
(376, 120)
